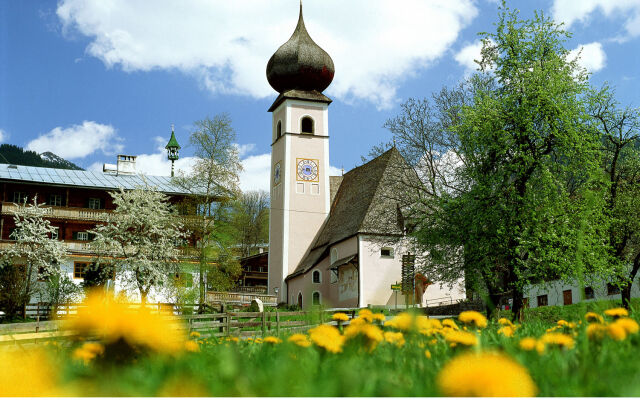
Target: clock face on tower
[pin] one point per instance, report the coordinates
(307, 170)
(276, 173)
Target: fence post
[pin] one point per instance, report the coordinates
(277, 323)
(228, 324)
(38, 323)
(264, 323)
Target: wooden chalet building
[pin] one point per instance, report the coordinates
(77, 200)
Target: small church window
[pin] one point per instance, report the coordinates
(279, 130)
(316, 298)
(316, 277)
(386, 252)
(307, 125)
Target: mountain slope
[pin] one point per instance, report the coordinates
(12, 154)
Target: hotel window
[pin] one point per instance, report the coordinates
(19, 197)
(612, 289)
(95, 203)
(78, 269)
(82, 236)
(55, 233)
(55, 200)
(543, 300)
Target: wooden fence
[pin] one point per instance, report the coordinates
(241, 324)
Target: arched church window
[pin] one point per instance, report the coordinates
(300, 300)
(307, 125)
(279, 130)
(316, 277)
(316, 298)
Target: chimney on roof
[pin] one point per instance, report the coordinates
(126, 165)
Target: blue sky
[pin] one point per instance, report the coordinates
(91, 79)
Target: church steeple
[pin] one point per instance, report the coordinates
(300, 64)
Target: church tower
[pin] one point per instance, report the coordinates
(299, 71)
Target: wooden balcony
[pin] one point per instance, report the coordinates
(66, 213)
(84, 248)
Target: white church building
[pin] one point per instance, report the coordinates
(325, 231)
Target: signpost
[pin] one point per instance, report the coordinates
(396, 288)
(408, 276)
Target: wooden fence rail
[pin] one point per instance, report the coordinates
(243, 324)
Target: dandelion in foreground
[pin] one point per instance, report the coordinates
(272, 340)
(449, 323)
(371, 334)
(629, 325)
(427, 354)
(616, 312)
(507, 330)
(485, 375)
(473, 318)
(327, 337)
(402, 322)
(87, 352)
(616, 332)
(505, 322)
(299, 340)
(194, 334)
(558, 339)
(396, 338)
(191, 346)
(528, 343)
(340, 317)
(596, 331)
(27, 373)
(593, 317)
(459, 337)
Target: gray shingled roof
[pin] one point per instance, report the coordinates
(358, 207)
(85, 179)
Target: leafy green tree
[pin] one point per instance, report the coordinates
(250, 221)
(620, 132)
(213, 183)
(510, 167)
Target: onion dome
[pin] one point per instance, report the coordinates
(300, 64)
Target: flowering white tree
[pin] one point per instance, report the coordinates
(140, 239)
(34, 247)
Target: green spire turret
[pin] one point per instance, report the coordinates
(172, 149)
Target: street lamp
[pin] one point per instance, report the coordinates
(172, 149)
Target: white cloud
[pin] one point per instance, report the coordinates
(375, 45)
(572, 11)
(467, 55)
(592, 57)
(3, 136)
(335, 171)
(244, 149)
(78, 141)
(257, 172)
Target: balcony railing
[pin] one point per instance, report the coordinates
(68, 213)
(240, 298)
(84, 248)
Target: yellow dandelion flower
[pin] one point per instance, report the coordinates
(427, 354)
(371, 334)
(299, 340)
(616, 332)
(402, 322)
(616, 312)
(328, 337)
(473, 318)
(396, 338)
(459, 337)
(428, 326)
(182, 386)
(433, 341)
(257, 340)
(507, 331)
(235, 339)
(272, 340)
(340, 317)
(359, 321)
(112, 321)
(87, 352)
(593, 317)
(485, 375)
(558, 339)
(596, 331)
(528, 343)
(195, 334)
(379, 317)
(27, 373)
(364, 311)
(629, 325)
(449, 323)
(191, 346)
